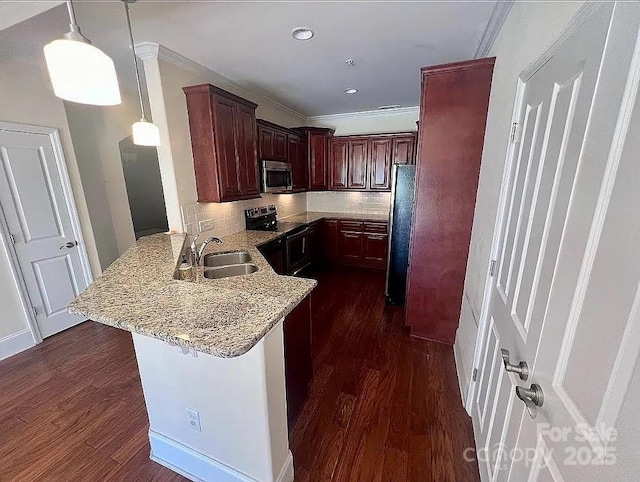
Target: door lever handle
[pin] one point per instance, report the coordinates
(70, 244)
(532, 397)
(522, 369)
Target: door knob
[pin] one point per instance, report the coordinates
(532, 397)
(70, 244)
(522, 369)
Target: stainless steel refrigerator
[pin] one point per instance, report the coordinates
(400, 214)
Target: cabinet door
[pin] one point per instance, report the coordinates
(380, 164)
(403, 150)
(225, 125)
(280, 145)
(375, 250)
(298, 362)
(246, 147)
(357, 163)
(298, 159)
(297, 251)
(330, 239)
(318, 159)
(350, 247)
(338, 164)
(265, 141)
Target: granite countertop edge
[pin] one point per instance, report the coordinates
(224, 318)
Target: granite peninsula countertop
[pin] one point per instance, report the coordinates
(223, 317)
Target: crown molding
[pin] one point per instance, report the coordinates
(364, 114)
(151, 50)
(496, 20)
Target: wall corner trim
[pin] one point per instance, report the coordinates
(497, 18)
(152, 50)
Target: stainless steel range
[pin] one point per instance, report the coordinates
(265, 218)
(287, 254)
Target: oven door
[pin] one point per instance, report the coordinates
(276, 177)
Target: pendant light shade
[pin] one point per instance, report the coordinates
(145, 133)
(79, 71)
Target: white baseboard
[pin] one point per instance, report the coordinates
(15, 343)
(198, 467)
(463, 378)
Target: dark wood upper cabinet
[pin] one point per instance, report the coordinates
(338, 164)
(358, 163)
(277, 143)
(223, 141)
(380, 164)
(280, 146)
(403, 149)
(246, 141)
(265, 142)
(297, 155)
(318, 156)
(453, 113)
(368, 161)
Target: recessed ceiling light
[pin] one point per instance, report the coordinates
(350, 91)
(302, 33)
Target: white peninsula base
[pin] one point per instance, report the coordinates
(241, 404)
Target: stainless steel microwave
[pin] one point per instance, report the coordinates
(277, 177)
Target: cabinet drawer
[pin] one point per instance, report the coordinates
(351, 226)
(375, 227)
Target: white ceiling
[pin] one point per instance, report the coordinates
(250, 43)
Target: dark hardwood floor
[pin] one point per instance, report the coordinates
(382, 407)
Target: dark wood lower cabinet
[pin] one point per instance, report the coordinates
(330, 240)
(350, 247)
(361, 244)
(374, 249)
(297, 358)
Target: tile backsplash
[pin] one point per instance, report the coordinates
(228, 218)
(349, 202)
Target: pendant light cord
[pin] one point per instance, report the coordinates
(135, 59)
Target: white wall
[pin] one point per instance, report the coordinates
(26, 97)
(529, 28)
(369, 122)
(96, 133)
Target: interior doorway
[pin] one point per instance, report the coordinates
(144, 188)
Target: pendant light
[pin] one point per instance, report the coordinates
(144, 132)
(79, 71)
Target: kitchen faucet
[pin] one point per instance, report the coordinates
(196, 253)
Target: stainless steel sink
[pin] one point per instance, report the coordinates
(231, 270)
(213, 260)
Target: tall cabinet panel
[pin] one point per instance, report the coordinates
(247, 149)
(225, 128)
(380, 164)
(338, 164)
(318, 156)
(357, 163)
(453, 112)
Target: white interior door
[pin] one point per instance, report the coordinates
(39, 212)
(565, 289)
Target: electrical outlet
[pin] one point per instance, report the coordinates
(205, 224)
(193, 417)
